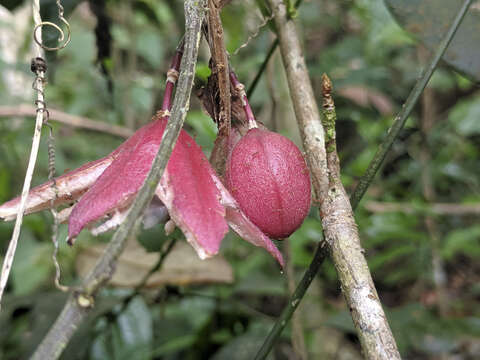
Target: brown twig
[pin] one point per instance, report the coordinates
(427, 122)
(298, 339)
(79, 304)
(67, 119)
(220, 65)
(221, 104)
(434, 208)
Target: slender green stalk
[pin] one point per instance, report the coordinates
(262, 68)
(407, 108)
(294, 301)
(161, 259)
(136, 291)
(365, 182)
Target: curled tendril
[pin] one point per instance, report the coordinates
(59, 29)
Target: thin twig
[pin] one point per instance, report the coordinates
(292, 304)
(68, 119)
(427, 122)
(220, 66)
(297, 337)
(161, 259)
(433, 208)
(136, 291)
(262, 68)
(270, 52)
(320, 253)
(78, 304)
(407, 108)
(40, 115)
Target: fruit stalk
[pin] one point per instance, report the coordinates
(238, 86)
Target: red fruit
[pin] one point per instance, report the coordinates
(266, 173)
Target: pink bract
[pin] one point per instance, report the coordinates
(194, 196)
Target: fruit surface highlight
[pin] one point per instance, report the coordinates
(267, 175)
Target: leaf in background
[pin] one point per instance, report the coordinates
(149, 48)
(32, 264)
(417, 327)
(205, 129)
(304, 240)
(180, 324)
(181, 267)
(129, 336)
(242, 347)
(429, 19)
(259, 283)
(465, 117)
(462, 241)
(134, 330)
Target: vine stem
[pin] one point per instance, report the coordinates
(79, 303)
(321, 252)
(39, 83)
(407, 108)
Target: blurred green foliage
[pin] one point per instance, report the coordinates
(373, 64)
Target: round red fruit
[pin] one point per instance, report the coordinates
(267, 175)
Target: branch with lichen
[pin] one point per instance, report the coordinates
(340, 230)
(342, 236)
(80, 302)
(329, 116)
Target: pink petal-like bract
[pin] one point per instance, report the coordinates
(242, 225)
(68, 187)
(115, 187)
(195, 197)
(193, 200)
(191, 197)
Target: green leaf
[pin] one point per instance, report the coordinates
(462, 241)
(135, 323)
(32, 264)
(428, 20)
(133, 333)
(303, 241)
(149, 47)
(205, 130)
(464, 117)
(242, 347)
